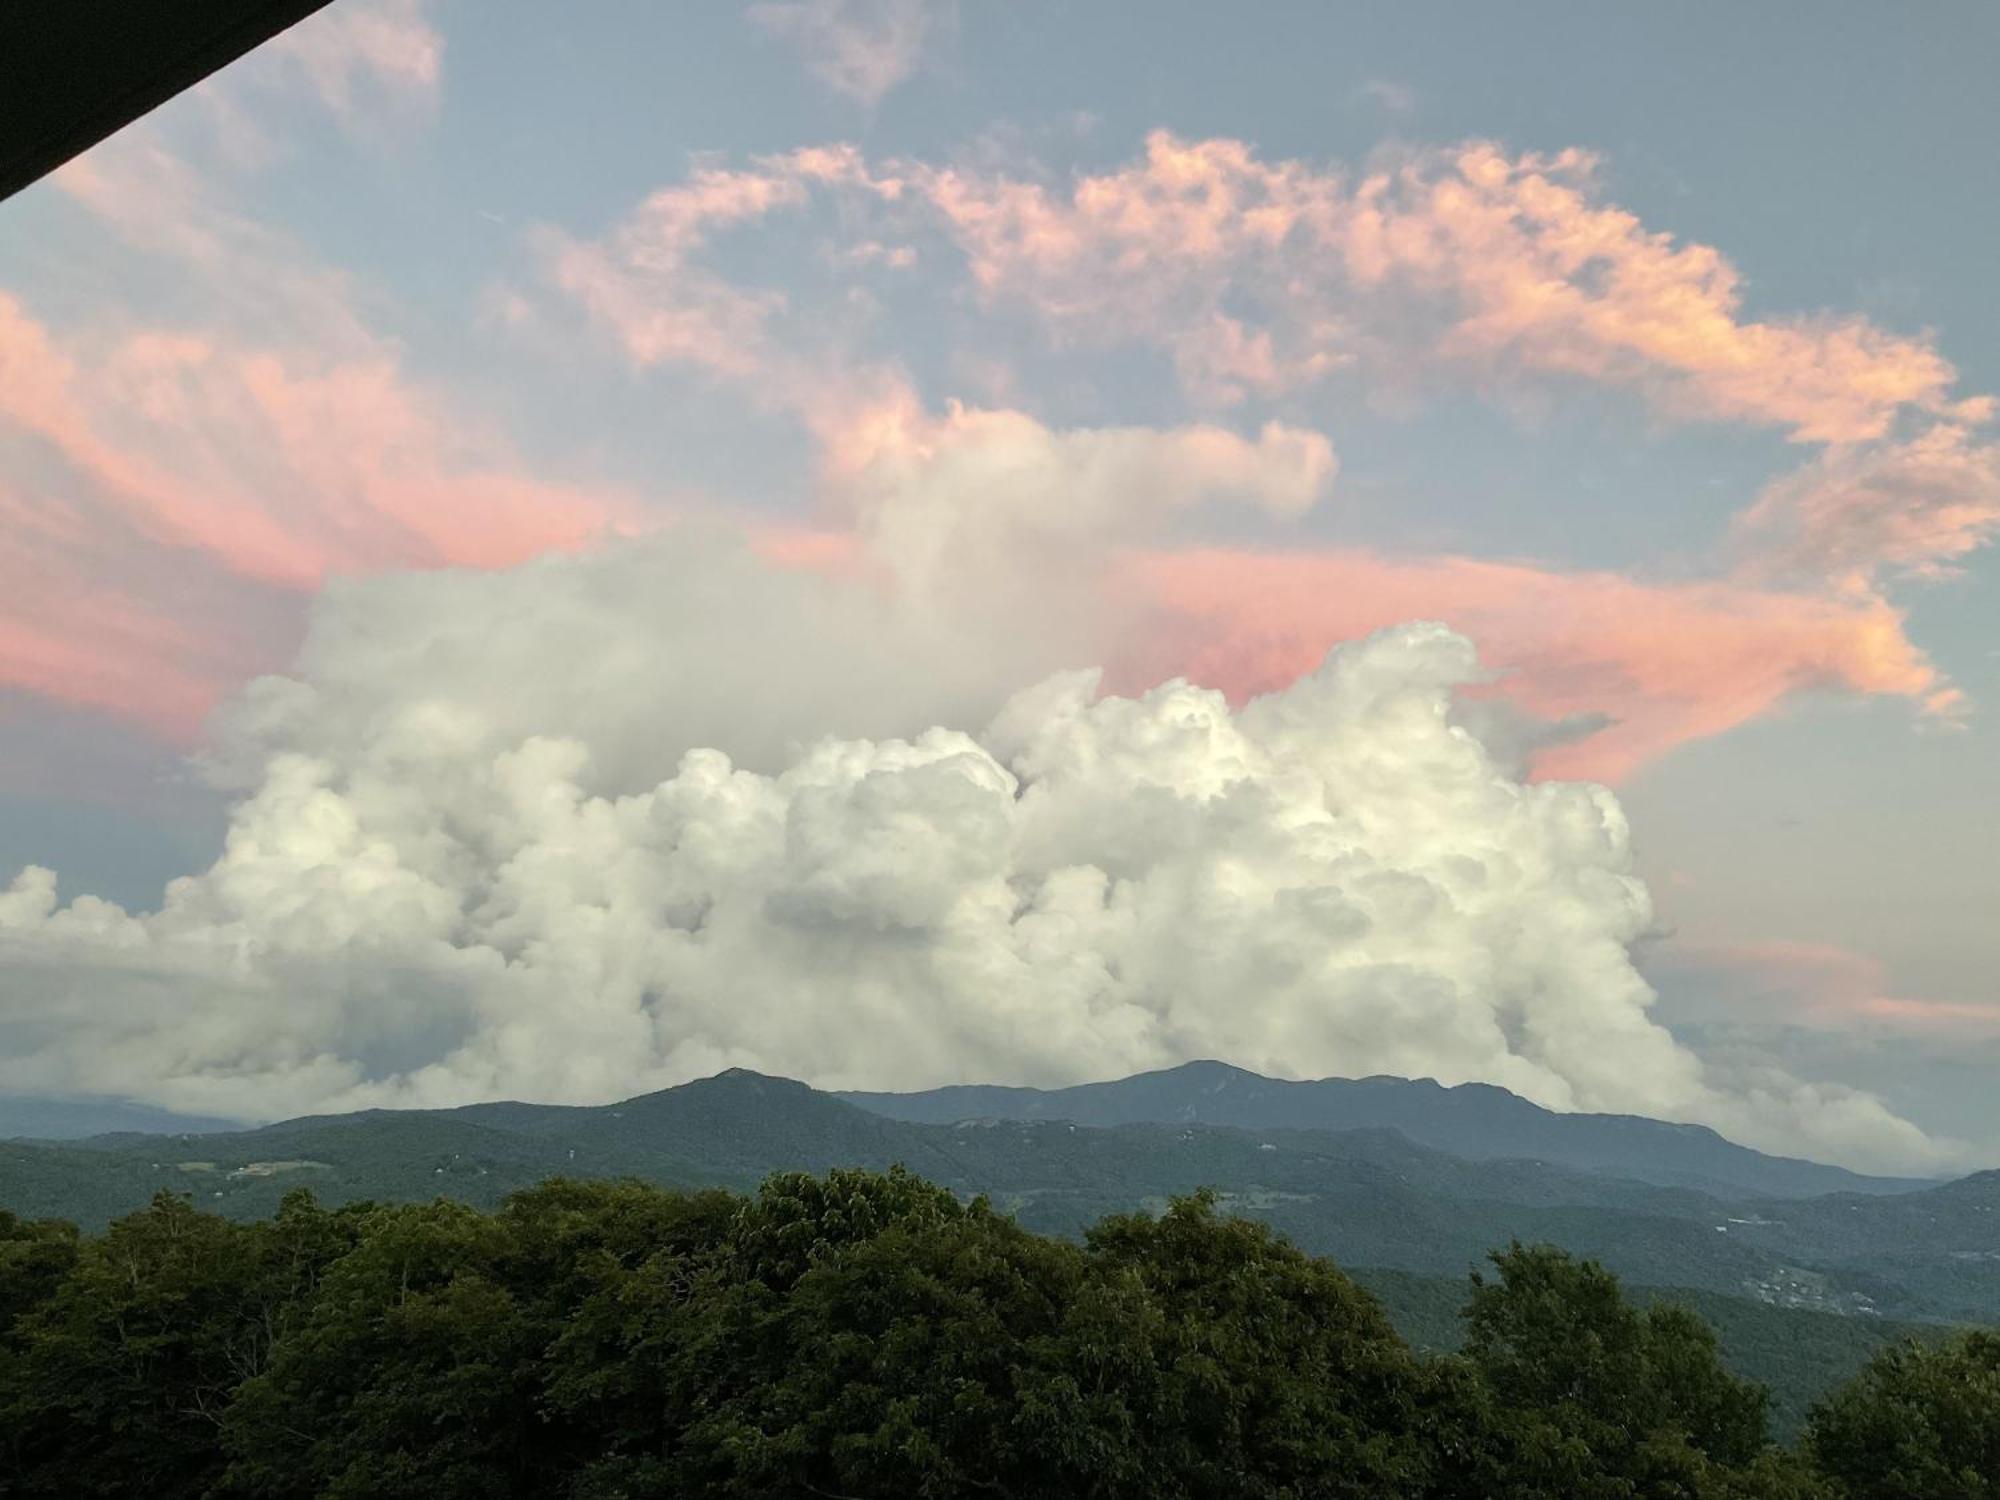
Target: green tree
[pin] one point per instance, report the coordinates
(1920, 1422)
(621, 1277)
(865, 1335)
(35, 1255)
(117, 1382)
(1586, 1396)
(857, 1334)
(412, 1374)
(1247, 1367)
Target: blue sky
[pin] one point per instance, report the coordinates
(1666, 384)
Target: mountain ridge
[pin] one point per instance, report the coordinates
(1366, 1196)
(1479, 1121)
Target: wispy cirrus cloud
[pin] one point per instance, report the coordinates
(1261, 277)
(648, 285)
(1866, 512)
(190, 437)
(360, 55)
(179, 477)
(151, 459)
(1386, 94)
(1821, 986)
(231, 267)
(1664, 662)
(859, 48)
(1258, 279)
(1463, 260)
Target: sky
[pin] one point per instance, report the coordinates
(546, 554)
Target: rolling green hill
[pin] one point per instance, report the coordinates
(1801, 1289)
(1365, 1197)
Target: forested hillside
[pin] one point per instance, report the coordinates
(863, 1335)
(1365, 1197)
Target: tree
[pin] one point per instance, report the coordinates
(412, 1373)
(35, 1255)
(1920, 1422)
(1585, 1396)
(869, 1335)
(1244, 1366)
(118, 1381)
(858, 1334)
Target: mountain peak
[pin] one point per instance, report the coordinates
(1211, 1072)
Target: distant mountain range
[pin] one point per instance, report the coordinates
(23, 1118)
(1369, 1197)
(1473, 1120)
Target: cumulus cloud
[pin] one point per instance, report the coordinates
(995, 508)
(603, 823)
(597, 823)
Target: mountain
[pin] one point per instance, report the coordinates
(24, 1118)
(1799, 1289)
(1367, 1197)
(1472, 1120)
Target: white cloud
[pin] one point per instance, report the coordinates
(499, 838)
(605, 822)
(993, 517)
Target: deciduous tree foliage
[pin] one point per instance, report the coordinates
(862, 1335)
(1922, 1420)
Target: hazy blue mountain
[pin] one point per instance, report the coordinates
(1367, 1197)
(1472, 1120)
(23, 1118)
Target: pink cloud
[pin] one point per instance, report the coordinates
(89, 619)
(235, 270)
(108, 655)
(361, 53)
(860, 48)
(287, 457)
(1465, 259)
(1258, 277)
(282, 464)
(1663, 663)
(171, 491)
(149, 469)
(1911, 508)
(646, 286)
(1668, 662)
(1828, 986)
